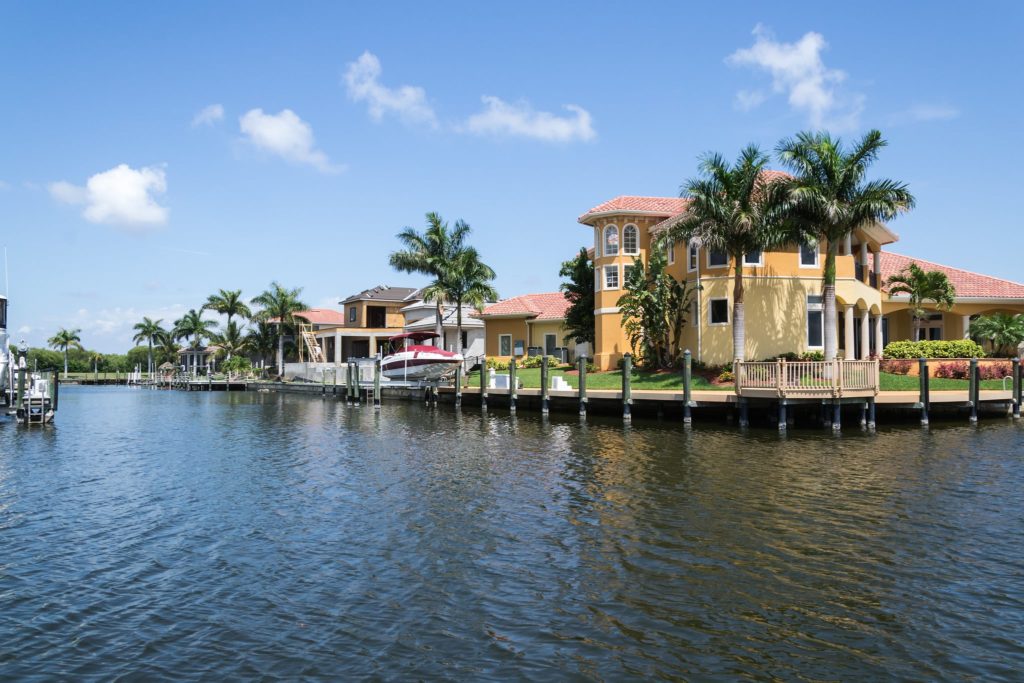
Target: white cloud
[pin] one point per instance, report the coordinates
(798, 71)
(208, 115)
(25, 329)
(519, 120)
(408, 102)
(923, 113)
(749, 99)
(111, 328)
(287, 136)
(4, 185)
(120, 196)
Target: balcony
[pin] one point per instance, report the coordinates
(807, 379)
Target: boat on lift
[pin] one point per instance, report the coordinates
(412, 359)
(6, 359)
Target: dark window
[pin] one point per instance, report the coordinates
(352, 314)
(814, 329)
(752, 258)
(719, 311)
(376, 316)
(717, 258)
(808, 254)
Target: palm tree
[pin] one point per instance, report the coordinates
(281, 303)
(431, 253)
(227, 302)
(230, 340)
(63, 340)
(736, 209)
(829, 199)
(164, 340)
(147, 331)
(193, 325)
(96, 357)
(921, 285)
(468, 282)
(1005, 331)
(261, 337)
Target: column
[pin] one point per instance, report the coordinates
(865, 334)
(966, 323)
(878, 334)
(848, 343)
(864, 259)
(878, 274)
(848, 245)
(337, 348)
(373, 345)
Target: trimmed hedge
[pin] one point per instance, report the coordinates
(954, 348)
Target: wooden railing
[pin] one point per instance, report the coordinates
(807, 378)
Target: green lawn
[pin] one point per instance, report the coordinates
(530, 378)
(891, 382)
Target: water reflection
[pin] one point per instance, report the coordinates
(160, 534)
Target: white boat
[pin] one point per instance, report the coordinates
(39, 403)
(413, 360)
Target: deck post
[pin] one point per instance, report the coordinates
(1016, 387)
(483, 383)
(513, 390)
(348, 382)
(871, 413)
(627, 392)
(687, 388)
(21, 388)
(922, 365)
(458, 386)
(581, 362)
(56, 391)
(972, 390)
(864, 415)
(836, 414)
(544, 400)
(376, 384)
(782, 415)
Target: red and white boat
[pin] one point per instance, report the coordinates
(412, 359)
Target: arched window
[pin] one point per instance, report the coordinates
(611, 241)
(630, 240)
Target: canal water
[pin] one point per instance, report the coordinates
(237, 536)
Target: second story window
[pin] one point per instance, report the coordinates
(630, 240)
(351, 314)
(717, 259)
(671, 253)
(692, 264)
(611, 241)
(808, 255)
(752, 258)
(611, 277)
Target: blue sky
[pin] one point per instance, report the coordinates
(152, 154)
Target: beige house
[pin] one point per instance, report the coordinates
(513, 327)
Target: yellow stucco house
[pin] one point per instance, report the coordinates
(512, 327)
(783, 289)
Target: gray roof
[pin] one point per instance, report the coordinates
(384, 293)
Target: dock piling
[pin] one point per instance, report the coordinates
(1016, 388)
(458, 386)
(627, 394)
(782, 416)
(973, 390)
(871, 413)
(837, 415)
(744, 407)
(483, 383)
(545, 405)
(513, 388)
(376, 384)
(581, 362)
(922, 365)
(687, 387)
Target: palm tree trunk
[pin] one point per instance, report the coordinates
(151, 357)
(65, 362)
(280, 355)
(831, 323)
(440, 327)
(739, 336)
(458, 326)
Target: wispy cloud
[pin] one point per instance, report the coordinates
(519, 120)
(924, 113)
(208, 115)
(798, 71)
(122, 196)
(287, 136)
(4, 185)
(179, 250)
(408, 102)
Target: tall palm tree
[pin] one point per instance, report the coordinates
(431, 253)
(830, 198)
(921, 286)
(281, 303)
(230, 339)
(193, 326)
(96, 357)
(736, 209)
(227, 302)
(63, 340)
(165, 341)
(468, 282)
(147, 331)
(1005, 331)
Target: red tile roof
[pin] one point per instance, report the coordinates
(319, 316)
(549, 306)
(967, 284)
(661, 206)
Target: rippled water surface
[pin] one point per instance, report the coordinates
(164, 534)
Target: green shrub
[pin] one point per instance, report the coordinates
(499, 365)
(812, 355)
(238, 365)
(896, 367)
(953, 348)
(535, 361)
(725, 377)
